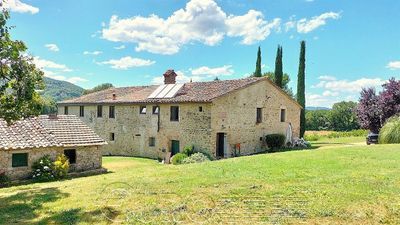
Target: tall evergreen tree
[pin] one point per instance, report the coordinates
(258, 73)
(301, 98)
(279, 67)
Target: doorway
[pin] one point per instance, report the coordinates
(221, 145)
(174, 147)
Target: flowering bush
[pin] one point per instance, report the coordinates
(61, 166)
(301, 143)
(42, 169)
(195, 158)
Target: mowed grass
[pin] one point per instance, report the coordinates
(336, 183)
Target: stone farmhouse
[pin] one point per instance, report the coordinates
(225, 118)
(25, 141)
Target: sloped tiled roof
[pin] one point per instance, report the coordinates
(190, 92)
(47, 131)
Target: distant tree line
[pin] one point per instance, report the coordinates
(341, 117)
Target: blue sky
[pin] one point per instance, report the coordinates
(350, 44)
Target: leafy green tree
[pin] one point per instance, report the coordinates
(98, 88)
(342, 117)
(301, 97)
(318, 120)
(285, 82)
(49, 106)
(258, 73)
(279, 67)
(19, 78)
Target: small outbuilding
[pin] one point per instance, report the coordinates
(27, 140)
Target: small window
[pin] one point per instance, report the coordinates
(71, 155)
(152, 141)
(283, 115)
(81, 111)
(65, 110)
(99, 111)
(111, 113)
(19, 159)
(112, 136)
(143, 109)
(156, 109)
(174, 113)
(200, 108)
(259, 115)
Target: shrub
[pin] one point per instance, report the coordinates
(4, 179)
(206, 153)
(195, 158)
(275, 140)
(178, 158)
(390, 132)
(42, 169)
(188, 150)
(61, 166)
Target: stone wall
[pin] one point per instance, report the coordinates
(132, 130)
(87, 158)
(235, 115)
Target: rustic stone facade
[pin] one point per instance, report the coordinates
(233, 114)
(87, 158)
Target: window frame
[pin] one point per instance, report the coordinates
(99, 111)
(283, 118)
(73, 154)
(81, 111)
(112, 136)
(152, 141)
(141, 108)
(154, 110)
(18, 165)
(65, 110)
(111, 111)
(174, 110)
(259, 116)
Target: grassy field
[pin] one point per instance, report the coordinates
(341, 181)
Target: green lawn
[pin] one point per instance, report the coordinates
(338, 182)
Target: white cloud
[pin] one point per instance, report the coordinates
(52, 47)
(346, 86)
(330, 93)
(127, 62)
(251, 27)
(217, 71)
(73, 80)
(92, 53)
(393, 65)
(20, 7)
(307, 25)
(200, 21)
(120, 47)
(47, 64)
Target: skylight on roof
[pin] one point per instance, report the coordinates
(166, 91)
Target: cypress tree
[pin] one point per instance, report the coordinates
(301, 98)
(279, 67)
(258, 73)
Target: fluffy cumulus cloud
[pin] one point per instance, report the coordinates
(92, 53)
(307, 25)
(52, 47)
(216, 71)
(20, 7)
(335, 90)
(127, 62)
(200, 21)
(393, 65)
(56, 71)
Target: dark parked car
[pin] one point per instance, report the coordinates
(372, 138)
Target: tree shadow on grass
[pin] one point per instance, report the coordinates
(26, 206)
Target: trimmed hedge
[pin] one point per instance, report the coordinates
(178, 158)
(275, 141)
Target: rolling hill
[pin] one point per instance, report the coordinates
(60, 90)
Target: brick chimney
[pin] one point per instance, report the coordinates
(114, 96)
(169, 77)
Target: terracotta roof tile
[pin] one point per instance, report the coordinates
(44, 131)
(190, 92)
